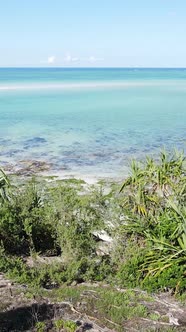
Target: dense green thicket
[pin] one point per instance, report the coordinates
(146, 219)
(156, 217)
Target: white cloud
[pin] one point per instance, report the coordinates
(93, 59)
(75, 59)
(69, 58)
(51, 59)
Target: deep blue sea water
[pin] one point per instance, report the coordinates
(90, 122)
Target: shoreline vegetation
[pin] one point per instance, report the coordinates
(112, 252)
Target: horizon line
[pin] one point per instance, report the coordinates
(86, 67)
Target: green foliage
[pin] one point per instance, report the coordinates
(113, 306)
(128, 271)
(57, 220)
(59, 324)
(154, 316)
(66, 325)
(76, 219)
(9, 264)
(147, 221)
(40, 327)
(4, 186)
(156, 212)
(170, 277)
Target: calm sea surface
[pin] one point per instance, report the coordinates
(90, 121)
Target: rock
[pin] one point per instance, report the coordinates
(32, 167)
(173, 320)
(103, 236)
(3, 284)
(104, 248)
(177, 319)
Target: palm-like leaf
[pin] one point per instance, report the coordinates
(4, 185)
(156, 194)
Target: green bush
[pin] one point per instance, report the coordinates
(147, 221)
(172, 278)
(155, 212)
(27, 223)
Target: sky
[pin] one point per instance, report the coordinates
(93, 33)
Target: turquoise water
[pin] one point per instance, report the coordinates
(90, 121)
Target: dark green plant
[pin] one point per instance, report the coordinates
(155, 212)
(27, 222)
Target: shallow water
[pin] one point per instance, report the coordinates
(91, 122)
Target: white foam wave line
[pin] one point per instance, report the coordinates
(87, 85)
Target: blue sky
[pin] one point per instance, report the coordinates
(95, 33)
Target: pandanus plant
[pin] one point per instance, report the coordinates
(4, 185)
(167, 251)
(156, 194)
(152, 181)
(134, 187)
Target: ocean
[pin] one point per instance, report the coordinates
(89, 123)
